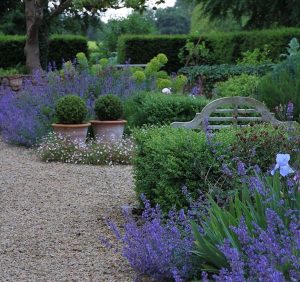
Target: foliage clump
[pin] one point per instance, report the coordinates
(242, 85)
(71, 109)
(282, 85)
(153, 72)
(108, 107)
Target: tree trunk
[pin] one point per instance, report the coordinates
(34, 18)
(44, 35)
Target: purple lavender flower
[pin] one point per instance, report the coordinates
(241, 169)
(158, 247)
(271, 255)
(290, 111)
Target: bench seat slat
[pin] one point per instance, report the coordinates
(225, 126)
(242, 111)
(233, 118)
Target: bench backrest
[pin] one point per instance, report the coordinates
(228, 111)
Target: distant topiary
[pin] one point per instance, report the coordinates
(139, 76)
(82, 61)
(71, 109)
(163, 83)
(108, 107)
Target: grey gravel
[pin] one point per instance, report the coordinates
(51, 216)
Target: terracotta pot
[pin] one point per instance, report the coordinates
(74, 132)
(108, 130)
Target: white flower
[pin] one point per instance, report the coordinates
(282, 163)
(166, 91)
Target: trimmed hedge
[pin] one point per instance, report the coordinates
(61, 47)
(65, 47)
(12, 51)
(159, 109)
(225, 48)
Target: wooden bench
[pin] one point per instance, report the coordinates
(228, 110)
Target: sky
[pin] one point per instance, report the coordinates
(113, 14)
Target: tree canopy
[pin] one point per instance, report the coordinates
(260, 14)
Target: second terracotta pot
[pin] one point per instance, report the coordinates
(108, 130)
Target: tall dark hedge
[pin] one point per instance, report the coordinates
(225, 48)
(11, 50)
(65, 47)
(61, 47)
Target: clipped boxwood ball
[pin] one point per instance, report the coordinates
(71, 109)
(108, 107)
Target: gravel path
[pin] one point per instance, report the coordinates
(51, 216)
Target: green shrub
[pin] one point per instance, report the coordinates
(169, 158)
(108, 107)
(158, 109)
(70, 109)
(259, 144)
(256, 57)
(153, 72)
(242, 85)
(61, 47)
(282, 86)
(210, 75)
(82, 61)
(224, 48)
(8, 72)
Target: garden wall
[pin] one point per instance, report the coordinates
(61, 47)
(225, 48)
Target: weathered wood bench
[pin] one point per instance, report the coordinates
(252, 111)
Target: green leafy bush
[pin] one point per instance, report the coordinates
(224, 48)
(82, 61)
(153, 72)
(242, 85)
(61, 47)
(169, 158)
(282, 86)
(8, 72)
(158, 109)
(258, 145)
(108, 107)
(256, 57)
(210, 75)
(71, 109)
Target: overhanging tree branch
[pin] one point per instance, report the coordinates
(61, 8)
